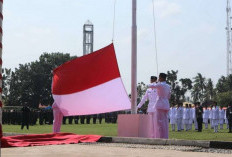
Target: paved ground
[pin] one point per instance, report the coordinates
(113, 150)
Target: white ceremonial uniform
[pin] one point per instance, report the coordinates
(194, 118)
(190, 118)
(182, 121)
(206, 117)
(161, 108)
(172, 115)
(186, 117)
(221, 117)
(210, 118)
(150, 96)
(215, 118)
(226, 121)
(179, 117)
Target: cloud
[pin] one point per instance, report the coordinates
(165, 8)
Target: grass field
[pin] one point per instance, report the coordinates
(111, 130)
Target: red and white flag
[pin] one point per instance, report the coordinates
(90, 84)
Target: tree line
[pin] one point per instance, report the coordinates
(30, 84)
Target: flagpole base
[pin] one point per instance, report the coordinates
(135, 125)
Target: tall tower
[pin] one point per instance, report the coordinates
(87, 38)
(229, 37)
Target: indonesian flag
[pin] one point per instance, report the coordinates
(90, 84)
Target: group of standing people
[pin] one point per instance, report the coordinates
(185, 117)
(158, 94)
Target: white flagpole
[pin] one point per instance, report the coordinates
(134, 59)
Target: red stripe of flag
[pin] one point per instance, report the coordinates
(86, 72)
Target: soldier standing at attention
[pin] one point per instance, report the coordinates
(206, 117)
(229, 117)
(186, 117)
(172, 115)
(25, 117)
(199, 116)
(215, 116)
(221, 117)
(179, 116)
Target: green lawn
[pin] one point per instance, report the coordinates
(111, 130)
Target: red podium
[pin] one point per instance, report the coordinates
(134, 125)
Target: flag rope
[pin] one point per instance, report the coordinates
(155, 36)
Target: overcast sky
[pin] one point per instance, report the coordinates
(191, 34)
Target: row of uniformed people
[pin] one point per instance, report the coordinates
(14, 116)
(46, 117)
(185, 117)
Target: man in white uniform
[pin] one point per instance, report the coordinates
(150, 96)
(179, 116)
(186, 117)
(190, 124)
(226, 120)
(206, 117)
(221, 117)
(194, 117)
(172, 115)
(161, 107)
(210, 117)
(215, 117)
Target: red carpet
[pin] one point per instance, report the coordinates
(46, 139)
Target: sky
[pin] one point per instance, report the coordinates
(191, 36)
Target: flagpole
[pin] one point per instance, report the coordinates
(134, 59)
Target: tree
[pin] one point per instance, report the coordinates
(210, 92)
(223, 90)
(224, 98)
(198, 91)
(31, 83)
(141, 90)
(186, 84)
(6, 78)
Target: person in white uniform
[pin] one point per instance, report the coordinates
(179, 116)
(190, 124)
(150, 96)
(211, 117)
(215, 117)
(221, 117)
(194, 117)
(206, 117)
(172, 115)
(186, 117)
(226, 120)
(182, 123)
(161, 107)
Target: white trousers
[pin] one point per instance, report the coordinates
(179, 124)
(58, 118)
(161, 128)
